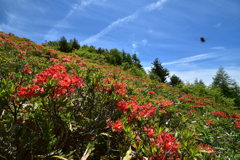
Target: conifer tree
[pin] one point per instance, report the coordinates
(228, 86)
(160, 71)
(75, 44)
(63, 45)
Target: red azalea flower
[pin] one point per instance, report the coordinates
(237, 124)
(151, 92)
(27, 70)
(117, 126)
(208, 122)
(11, 76)
(206, 148)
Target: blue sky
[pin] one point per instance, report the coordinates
(164, 29)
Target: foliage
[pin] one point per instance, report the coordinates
(159, 70)
(175, 80)
(63, 45)
(63, 106)
(228, 86)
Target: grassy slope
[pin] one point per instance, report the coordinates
(185, 115)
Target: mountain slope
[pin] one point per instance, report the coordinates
(56, 104)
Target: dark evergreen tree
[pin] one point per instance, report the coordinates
(228, 86)
(63, 45)
(175, 80)
(136, 61)
(160, 71)
(75, 44)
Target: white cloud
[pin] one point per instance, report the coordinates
(155, 5)
(218, 48)
(120, 21)
(134, 45)
(147, 69)
(206, 74)
(191, 59)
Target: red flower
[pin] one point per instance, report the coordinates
(150, 131)
(151, 92)
(208, 122)
(22, 92)
(162, 111)
(122, 106)
(222, 114)
(237, 124)
(118, 85)
(206, 148)
(166, 103)
(27, 70)
(121, 91)
(117, 126)
(11, 76)
(22, 52)
(166, 143)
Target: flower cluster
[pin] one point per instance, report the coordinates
(167, 146)
(222, 114)
(65, 83)
(116, 126)
(136, 110)
(27, 70)
(25, 92)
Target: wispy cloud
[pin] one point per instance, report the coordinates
(109, 28)
(52, 34)
(123, 20)
(155, 5)
(191, 59)
(218, 25)
(218, 48)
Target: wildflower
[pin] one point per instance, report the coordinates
(151, 92)
(27, 70)
(150, 131)
(11, 76)
(117, 126)
(206, 148)
(208, 122)
(237, 124)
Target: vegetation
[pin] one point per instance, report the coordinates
(159, 71)
(56, 105)
(228, 86)
(175, 80)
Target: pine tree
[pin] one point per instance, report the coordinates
(136, 61)
(63, 45)
(75, 44)
(228, 86)
(160, 71)
(222, 81)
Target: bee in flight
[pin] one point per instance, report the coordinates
(202, 39)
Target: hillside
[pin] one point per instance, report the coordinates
(56, 105)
